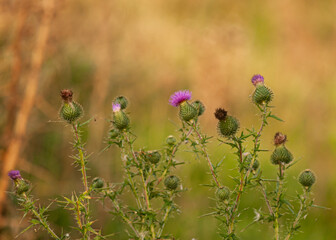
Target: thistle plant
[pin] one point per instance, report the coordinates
(249, 173)
(144, 171)
(144, 199)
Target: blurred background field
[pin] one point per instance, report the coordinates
(146, 50)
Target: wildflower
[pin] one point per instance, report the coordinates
(178, 97)
(14, 175)
(257, 79)
(122, 101)
(116, 107)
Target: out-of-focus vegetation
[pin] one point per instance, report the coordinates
(148, 49)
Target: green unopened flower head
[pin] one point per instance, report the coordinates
(227, 125)
(122, 101)
(120, 119)
(71, 111)
(153, 156)
(307, 178)
(199, 106)
(281, 155)
(223, 193)
(97, 183)
(262, 94)
(172, 182)
(171, 140)
(187, 110)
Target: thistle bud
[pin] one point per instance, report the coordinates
(227, 125)
(281, 155)
(71, 111)
(262, 95)
(97, 183)
(307, 178)
(120, 119)
(171, 140)
(199, 107)
(122, 101)
(223, 193)
(153, 157)
(172, 182)
(187, 111)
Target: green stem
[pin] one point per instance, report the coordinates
(205, 153)
(278, 204)
(79, 147)
(165, 217)
(40, 218)
(299, 215)
(125, 218)
(143, 182)
(176, 147)
(243, 176)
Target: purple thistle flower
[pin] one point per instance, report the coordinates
(14, 174)
(116, 107)
(257, 78)
(178, 97)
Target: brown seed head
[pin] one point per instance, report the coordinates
(220, 114)
(66, 95)
(279, 139)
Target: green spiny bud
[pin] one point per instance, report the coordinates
(228, 127)
(153, 157)
(70, 111)
(120, 120)
(262, 95)
(122, 101)
(114, 133)
(281, 155)
(199, 106)
(187, 111)
(223, 193)
(22, 186)
(307, 178)
(171, 140)
(97, 182)
(172, 182)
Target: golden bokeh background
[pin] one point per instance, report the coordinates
(146, 50)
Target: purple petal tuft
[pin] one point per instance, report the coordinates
(178, 97)
(115, 107)
(14, 174)
(257, 79)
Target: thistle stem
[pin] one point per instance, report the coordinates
(79, 147)
(244, 177)
(277, 209)
(40, 218)
(176, 147)
(205, 153)
(143, 182)
(299, 215)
